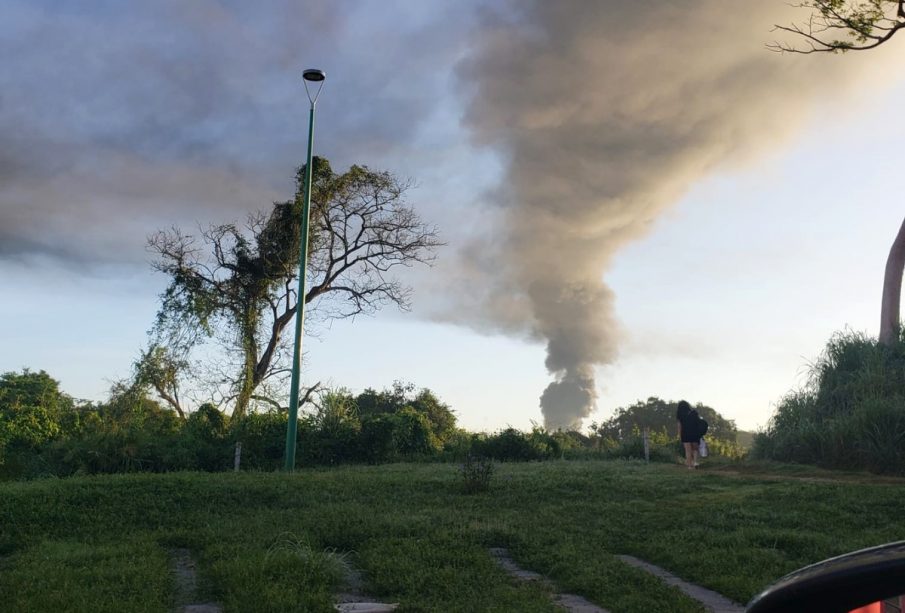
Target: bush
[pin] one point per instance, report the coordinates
(263, 437)
(459, 444)
(205, 442)
(332, 433)
(512, 445)
(476, 473)
(405, 434)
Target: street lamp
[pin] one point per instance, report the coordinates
(313, 76)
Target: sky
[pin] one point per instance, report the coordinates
(638, 199)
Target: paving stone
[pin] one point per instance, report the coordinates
(365, 607)
(570, 602)
(353, 599)
(576, 604)
(711, 600)
(209, 607)
(503, 559)
(183, 567)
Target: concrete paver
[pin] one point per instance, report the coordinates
(711, 600)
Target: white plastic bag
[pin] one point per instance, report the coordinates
(702, 448)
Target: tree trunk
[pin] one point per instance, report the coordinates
(250, 380)
(892, 290)
(242, 399)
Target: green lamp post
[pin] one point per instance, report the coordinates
(313, 76)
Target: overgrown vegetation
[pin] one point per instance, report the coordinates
(43, 432)
(850, 414)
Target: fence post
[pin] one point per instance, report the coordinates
(237, 459)
(645, 435)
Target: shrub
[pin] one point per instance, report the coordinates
(459, 444)
(263, 437)
(205, 441)
(332, 433)
(377, 441)
(389, 437)
(476, 473)
(512, 445)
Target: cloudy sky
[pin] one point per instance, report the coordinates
(638, 197)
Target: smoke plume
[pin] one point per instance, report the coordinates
(605, 112)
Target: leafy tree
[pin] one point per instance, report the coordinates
(236, 284)
(162, 368)
(32, 411)
(660, 416)
(844, 25)
(413, 434)
(439, 417)
(387, 437)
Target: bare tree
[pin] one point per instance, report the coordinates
(238, 284)
(838, 26)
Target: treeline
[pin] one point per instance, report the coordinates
(660, 416)
(44, 432)
(850, 414)
(621, 434)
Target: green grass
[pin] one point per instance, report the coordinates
(273, 542)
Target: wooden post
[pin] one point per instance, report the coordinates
(237, 459)
(646, 436)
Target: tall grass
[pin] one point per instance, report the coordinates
(851, 412)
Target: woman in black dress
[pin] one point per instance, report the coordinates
(688, 432)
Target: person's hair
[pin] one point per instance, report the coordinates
(684, 408)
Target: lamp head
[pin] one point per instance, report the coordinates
(314, 75)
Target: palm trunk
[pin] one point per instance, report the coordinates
(892, 290)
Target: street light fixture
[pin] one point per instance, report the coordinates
(311, 75)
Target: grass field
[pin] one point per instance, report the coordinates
(273, 542)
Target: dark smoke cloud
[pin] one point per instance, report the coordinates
(605, 112)
(118, 118)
